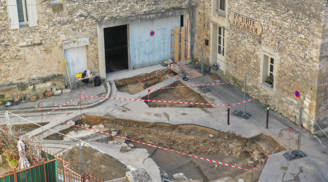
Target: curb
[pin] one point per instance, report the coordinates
(107, 86)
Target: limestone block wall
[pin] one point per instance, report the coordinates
(291, 34)
(322, 100)
(203, 30)
(294, 33)
(31, 52)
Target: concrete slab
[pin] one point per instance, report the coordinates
(135, 158)
(126, 73)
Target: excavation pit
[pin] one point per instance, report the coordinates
(21, 129)
(132, 85)
(195, 140)
(184, 94)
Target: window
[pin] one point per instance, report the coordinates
(268, 72)
(221, 5)
(221, 37)
(55, 2)
(22, 12)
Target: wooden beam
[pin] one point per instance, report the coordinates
(176, 43)
(183, 43)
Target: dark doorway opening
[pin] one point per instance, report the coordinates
(116, 48)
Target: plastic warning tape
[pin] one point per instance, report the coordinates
(161, 101)
(292, 135)
(242, 102)
(209, 84)
(142, 84)
(151, 145)
(60, 106)
(161, 71)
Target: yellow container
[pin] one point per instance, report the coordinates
(78, 75)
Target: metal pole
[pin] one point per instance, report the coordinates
(289, 140)
(80, 105)
(300, 131)
(81, 156)
(148, 97)
(244, 106)
(202, 66)
(228, 115)
(267, 120)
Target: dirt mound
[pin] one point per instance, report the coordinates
(177, 94)
(132, 86)
(98, 164)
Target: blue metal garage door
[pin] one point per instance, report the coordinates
(147, 50)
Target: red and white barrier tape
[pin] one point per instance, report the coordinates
(190, 86)
(60, 106)
(142, 84)
(161, 71)
(145, 100)
(151, 145)
(242, 102)
(292, 135)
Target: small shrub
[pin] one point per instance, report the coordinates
(13, 163)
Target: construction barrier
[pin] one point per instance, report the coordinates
(189, 86)
(151, 145)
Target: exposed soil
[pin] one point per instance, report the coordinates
(194, 140)
(98, 164)
(95, 121)
(132, 86)
(185, 94)
(21, 129)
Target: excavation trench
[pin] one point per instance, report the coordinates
(132, 85)
(196, 140)
(184, 94)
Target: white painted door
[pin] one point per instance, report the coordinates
(76, 60)
(221, 43)
(150, 41)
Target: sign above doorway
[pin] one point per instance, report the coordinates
(245, 23)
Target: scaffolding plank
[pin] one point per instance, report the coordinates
(176, 43)
(183, 43)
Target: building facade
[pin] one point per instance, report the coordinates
(282, 45)
(36, 36)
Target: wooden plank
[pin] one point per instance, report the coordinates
(183, 43)
(190, 71)
(187, 37)
(176, 42)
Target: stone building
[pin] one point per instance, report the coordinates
(103, 36)
(280, 44)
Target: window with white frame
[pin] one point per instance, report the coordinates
(22, 12)
(221, 39)
(219, 6)
(55, 2)
(268, 72)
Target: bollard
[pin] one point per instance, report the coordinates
(228, 115)
(289, 140)
(148, 97)
(267, 120)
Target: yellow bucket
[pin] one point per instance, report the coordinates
(78, 75)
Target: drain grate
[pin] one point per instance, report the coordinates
(241, 114)
(296, 154)
(205, 88)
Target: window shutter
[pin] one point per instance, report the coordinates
(32, 13)
(13, 14)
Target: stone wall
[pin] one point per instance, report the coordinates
(292, 35)
(203, 30)
(32, 52)
(37, 85)
(322, 100)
